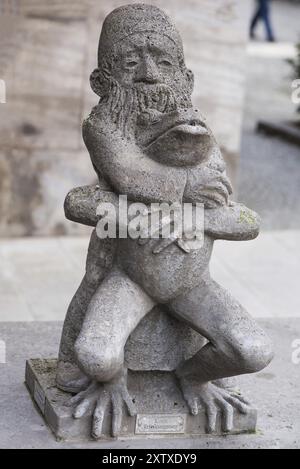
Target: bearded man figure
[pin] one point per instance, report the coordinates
(147, 142)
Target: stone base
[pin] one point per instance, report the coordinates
(161, 408)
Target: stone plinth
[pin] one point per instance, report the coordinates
(161, 409)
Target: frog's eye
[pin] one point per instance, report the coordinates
(165, 63)
(131, 63)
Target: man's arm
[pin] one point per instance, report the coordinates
(234, 222)
(207, 183)
(127, 169)
(81, 203)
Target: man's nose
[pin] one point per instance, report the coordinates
(148, 71)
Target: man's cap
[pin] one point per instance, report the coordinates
(136, 18)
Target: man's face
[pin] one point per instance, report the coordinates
(148, 59)
(143, 79)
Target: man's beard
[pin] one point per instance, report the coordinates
(127, 104)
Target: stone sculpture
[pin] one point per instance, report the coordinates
(150, 304)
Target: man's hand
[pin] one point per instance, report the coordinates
(208, 186)
(169, 229)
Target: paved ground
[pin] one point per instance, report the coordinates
(275, 391)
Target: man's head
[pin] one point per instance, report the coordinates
(141, 62)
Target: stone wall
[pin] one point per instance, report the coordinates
(46, 54)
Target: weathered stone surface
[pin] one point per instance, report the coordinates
(160, 406)
(149, 144)
(215, 35)
(172, 342)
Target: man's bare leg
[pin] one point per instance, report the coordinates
(236, 345)
(114, 311)
(99, 260)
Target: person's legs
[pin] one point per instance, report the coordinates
(265, 14)
(114, 311)
(255, 19)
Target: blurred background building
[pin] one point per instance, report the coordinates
(48, 50)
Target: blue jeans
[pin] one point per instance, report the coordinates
(262, 13)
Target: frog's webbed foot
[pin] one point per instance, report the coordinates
(97, 398)
(213, 399)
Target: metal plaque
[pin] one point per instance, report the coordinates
(160, 423)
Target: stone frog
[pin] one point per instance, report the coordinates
(145, 141)
(180, 139)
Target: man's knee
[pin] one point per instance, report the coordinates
(100, 361)
(252, 352)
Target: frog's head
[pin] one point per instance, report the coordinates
(180, 138)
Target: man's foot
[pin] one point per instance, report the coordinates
(97, 398)
(70, 378)
(213, 399)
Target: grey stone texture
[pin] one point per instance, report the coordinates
(148, 142)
